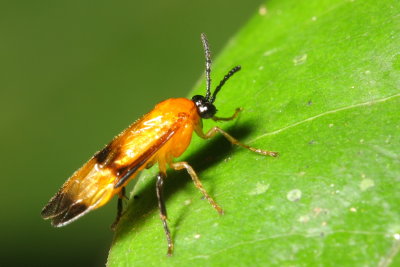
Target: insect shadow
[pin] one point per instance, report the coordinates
(144, 205)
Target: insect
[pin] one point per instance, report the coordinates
(158, 137)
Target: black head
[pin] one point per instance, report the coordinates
(205, 108)
(205, 104)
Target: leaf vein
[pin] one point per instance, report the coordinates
(283, 236)
(394, 250)
(368, 103)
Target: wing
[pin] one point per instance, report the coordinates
(103, 176)
(126, 172)
(152, 141)
(88, 188)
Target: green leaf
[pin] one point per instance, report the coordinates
(319, 84)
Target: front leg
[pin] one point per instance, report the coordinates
(215, 118)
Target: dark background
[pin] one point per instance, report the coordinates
(72, 75)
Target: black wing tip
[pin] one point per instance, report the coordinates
(70, 215)
(62, 209)
(56, 205)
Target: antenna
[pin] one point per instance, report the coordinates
(227, 76)
(207, 53)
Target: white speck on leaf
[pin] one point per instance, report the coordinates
(260, 189)
(366, 184)
(301, 59)
(270, 52)
(197, 236)
(294, 195)
(227, 159)
(396, 236)
(304, 218)
(262, 10)
(352, 209)
(318, 211)
(314, 18)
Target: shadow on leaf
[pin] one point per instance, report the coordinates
(145, 202)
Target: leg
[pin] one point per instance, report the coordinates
(197, 183)
(121, 196)
(215, 118)
(211, 133)
(163, 211)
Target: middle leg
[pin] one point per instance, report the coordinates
(214, 130)
(197, 183)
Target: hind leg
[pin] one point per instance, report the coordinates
(121, 196)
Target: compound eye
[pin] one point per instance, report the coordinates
(207, 110)
(199, 100)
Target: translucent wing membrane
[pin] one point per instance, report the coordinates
(87, 189)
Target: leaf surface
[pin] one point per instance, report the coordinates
(320, 83)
